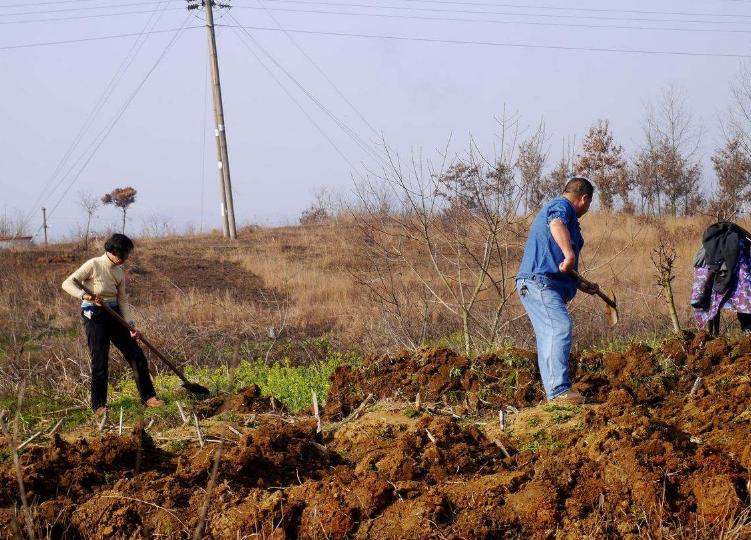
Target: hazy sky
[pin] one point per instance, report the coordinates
(417, 92)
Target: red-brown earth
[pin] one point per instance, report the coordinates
(645, 458)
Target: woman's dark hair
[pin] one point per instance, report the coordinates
(119, 244)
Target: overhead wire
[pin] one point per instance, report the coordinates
(503, 44)
(104, 133)
(343, 126)
(572, 8)
(293, 98)
(84, 40)
(86, 8)
(82, 17)
(98, 105)
(47, 3)
(498, 21)
(320, 70)
(484, 12)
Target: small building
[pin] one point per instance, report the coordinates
(15, 241)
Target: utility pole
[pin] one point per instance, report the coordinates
(225, 184)
(44, 224)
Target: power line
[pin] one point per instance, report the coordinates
(502, 44)
(87, 8)
(97, 38)
(113, 122)
(571, 8)
(344, 127)
(96, 16)
(480, 12)
(289, 94)
(320, 70)
(498, 21)
(47, 3)
(106, 94)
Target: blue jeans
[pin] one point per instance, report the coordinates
(553, 329)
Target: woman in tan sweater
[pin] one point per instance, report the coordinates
(104, 276)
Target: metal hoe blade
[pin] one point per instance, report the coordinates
(611, 311)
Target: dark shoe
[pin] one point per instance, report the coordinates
(569, 397)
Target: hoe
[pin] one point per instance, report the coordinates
(191, 387)
(611, 305)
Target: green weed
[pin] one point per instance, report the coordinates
(542, 440)
(411, 412)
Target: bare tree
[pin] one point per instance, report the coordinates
(740, 109)
(90, 204)
(14, 225)
(122, 198)
(670, 154)
(603, 162)
(553, 183)
(648, 179)
(453, 232)
(530, 163)
(663, 258)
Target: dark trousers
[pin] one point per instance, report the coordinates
(743, 318)
(101, 329)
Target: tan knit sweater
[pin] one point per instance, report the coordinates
(102, 277)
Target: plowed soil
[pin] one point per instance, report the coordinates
(647, 457)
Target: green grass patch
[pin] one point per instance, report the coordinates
(292, 385)
(553, 407)
(560, 417)
(411, 412)
(542, 440)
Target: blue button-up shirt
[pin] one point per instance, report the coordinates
(542, 255)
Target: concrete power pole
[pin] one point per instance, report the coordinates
(225, 184)
(44, 224)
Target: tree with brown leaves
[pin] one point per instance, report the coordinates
(732, 164)
(122, 198)
(603, 163)
(530, 164)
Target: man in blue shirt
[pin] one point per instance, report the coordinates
(545, 284)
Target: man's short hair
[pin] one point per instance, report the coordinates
(119, 245)
(579, 186)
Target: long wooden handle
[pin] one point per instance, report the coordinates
(605, 298)
(115, 315)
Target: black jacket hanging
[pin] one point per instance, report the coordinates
(721, 244)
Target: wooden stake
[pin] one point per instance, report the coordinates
(103, 421)
(316, 412)
(27, 441)
(184, 416)
(695, 387)
(502, 419)
(499, 444)
(54, 428)
(418, 402)
(198, 430)
(120, 427)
